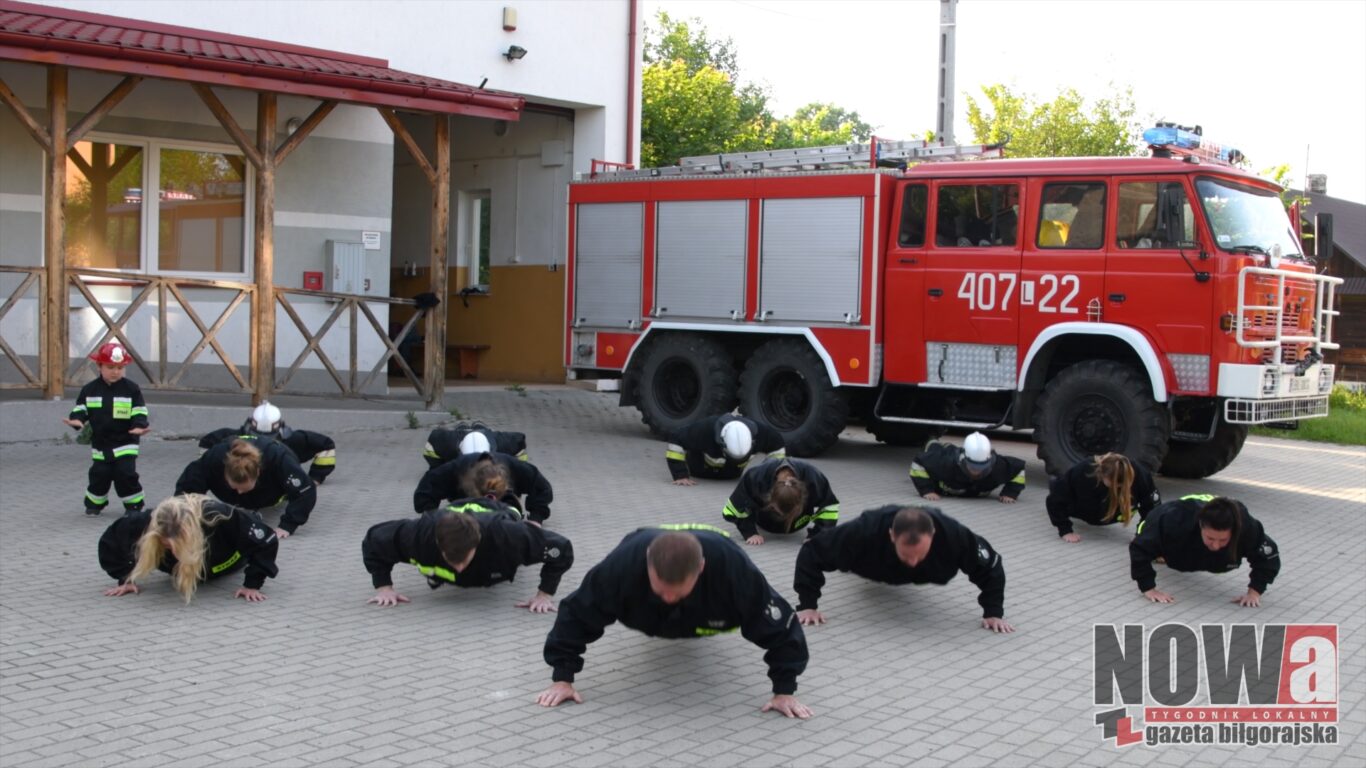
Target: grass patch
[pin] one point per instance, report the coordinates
(1344, 425)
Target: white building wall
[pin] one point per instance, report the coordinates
(577, 49)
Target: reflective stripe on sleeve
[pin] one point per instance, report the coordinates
(125, 450)
(919, 471)
(326, 458)
(831, 512)
(730, 512)
(226, 564)
(693, 527)
(434, 570)
(675, 453)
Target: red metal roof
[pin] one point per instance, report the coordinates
(45, 35)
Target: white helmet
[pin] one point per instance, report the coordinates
(266, 417)
(977, 452)
(736, 440)
(474, 442)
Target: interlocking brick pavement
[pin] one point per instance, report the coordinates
(900, 675)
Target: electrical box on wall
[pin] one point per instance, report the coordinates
(313, 281)
(346, 267)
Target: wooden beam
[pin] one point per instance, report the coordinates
(292, 143)
(54, 233)
(81, 164)
(263, 308)
(124, 158)
(404, 136)
(441, 227)
(106, 104)
(230, 125)
(38, 132)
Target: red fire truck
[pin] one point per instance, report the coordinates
(1154, 306)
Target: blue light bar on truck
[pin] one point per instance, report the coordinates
(1167, 139)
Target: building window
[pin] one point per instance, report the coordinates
(103, 205)
(481, 231)
(201, 211)
(198, 211)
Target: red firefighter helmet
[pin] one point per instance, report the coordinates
(111, 353)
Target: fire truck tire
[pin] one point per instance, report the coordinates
(785, 386)
(1095, 407)
(684, 377)
(908, 435)
(1197, 460)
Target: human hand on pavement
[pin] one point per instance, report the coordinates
(788, 706)
(540, 603)
(251, 595)
(810, 616)
(386, 596)
(685, 481)
(1158, 596)
(998, 625)
(128, 588)
(557, 693)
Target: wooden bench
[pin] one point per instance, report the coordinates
(467, 355)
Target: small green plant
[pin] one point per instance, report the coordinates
(456, 414)
(518, 388)
(412, 420)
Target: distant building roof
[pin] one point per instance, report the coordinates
(1349, 223)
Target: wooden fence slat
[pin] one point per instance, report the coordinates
(312, 344)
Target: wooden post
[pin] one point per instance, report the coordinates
(441, 227)
(263, 308)
(54, 244)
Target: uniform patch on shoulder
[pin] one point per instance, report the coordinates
(775, 613)
(983, 553)
(552, 552)
(1267, 549)
(258, 533)
(295, 481)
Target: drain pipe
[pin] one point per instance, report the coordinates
(631, 82)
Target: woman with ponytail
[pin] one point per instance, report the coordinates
(1104, 490)
(782, 496)
(1203, 533)
(193, 538)
(254, 473)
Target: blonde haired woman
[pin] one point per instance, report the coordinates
(194, 538)
(1104, 490)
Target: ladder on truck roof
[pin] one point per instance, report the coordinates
(876, 154)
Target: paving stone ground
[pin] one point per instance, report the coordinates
(899, 676)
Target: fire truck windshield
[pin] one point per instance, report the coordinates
(1246, 219)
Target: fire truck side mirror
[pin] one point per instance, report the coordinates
(1323, 237)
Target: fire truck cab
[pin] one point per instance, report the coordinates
(1152, 306)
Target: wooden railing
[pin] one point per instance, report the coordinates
(161, 373)
(158, 373)
(354, 306)
(33, 276)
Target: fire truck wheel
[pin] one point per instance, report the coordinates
(684, 377)
(1196, 460)
(785, 386)
(1095, 407)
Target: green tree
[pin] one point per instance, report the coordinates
(1064, 127)
(818, 124)
(693, 102)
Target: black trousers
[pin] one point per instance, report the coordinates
(122, 474)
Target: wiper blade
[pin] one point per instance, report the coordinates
(1249, 249)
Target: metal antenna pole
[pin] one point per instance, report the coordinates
(943, 130)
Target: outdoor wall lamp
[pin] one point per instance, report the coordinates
(514, 52)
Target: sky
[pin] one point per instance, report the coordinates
(1284, 82)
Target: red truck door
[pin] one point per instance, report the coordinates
(1151, 274)
(972, 268)
(904, 291)
(1064, 261)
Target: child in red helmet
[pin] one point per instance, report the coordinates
(117, 414)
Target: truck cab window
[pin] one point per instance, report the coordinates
(977, 215)
(1072, 215)
(1154, 214)
(914, 209)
